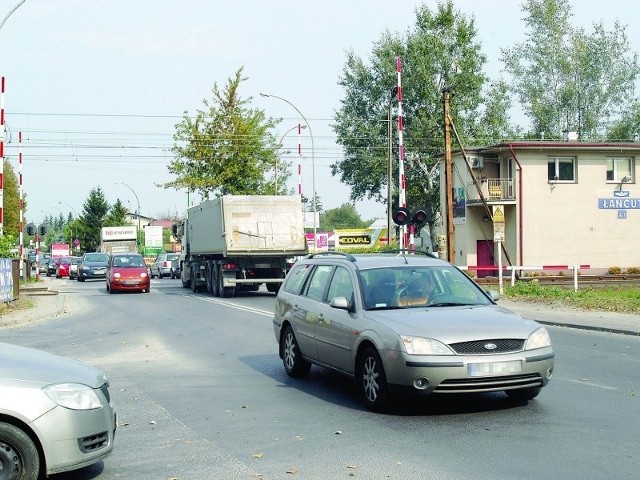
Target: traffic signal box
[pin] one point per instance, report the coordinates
(418, 217)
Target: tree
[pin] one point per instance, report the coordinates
(11, 202)
(566, 78)
(94, 211)
(116, 216)
(441, 51)
(226, 148)
(345, 216)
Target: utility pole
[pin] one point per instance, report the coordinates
(448, 174)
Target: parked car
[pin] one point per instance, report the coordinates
(63, 266)
(56, 414)
(73, 268)
(127, 272)
(52, 266)
(161, 266)
(403, 324)
(93, 265)
(174, 272)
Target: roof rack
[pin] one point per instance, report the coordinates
(334, 253)
(404, 251)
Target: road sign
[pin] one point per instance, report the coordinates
(498, 214)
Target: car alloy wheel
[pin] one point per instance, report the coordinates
(373, 381)
(294, 364)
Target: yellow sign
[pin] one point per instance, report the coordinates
(498, 214)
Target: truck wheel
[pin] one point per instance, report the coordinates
(209, 277)
(185, 283)
(226, 292)
(215, 284)
(194, 283)
(18, 455)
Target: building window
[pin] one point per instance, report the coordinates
(561, 169)
(619, 168)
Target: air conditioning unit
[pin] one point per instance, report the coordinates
(476, 162)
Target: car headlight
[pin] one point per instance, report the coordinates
(74, 396)
(143, 275)
(538, 339)
(424, 346)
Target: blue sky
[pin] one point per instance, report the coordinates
(96, 86)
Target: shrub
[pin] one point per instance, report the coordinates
(614, 271)
(633, 271)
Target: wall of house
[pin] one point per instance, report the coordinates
(561, 222)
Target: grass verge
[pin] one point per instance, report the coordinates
(610, 299)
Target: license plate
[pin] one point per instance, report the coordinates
(489, 369)
(130, 282)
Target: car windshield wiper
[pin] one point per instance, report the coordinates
(452, 304)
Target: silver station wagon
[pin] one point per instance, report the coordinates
(406, 324)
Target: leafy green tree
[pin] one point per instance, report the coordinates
(345, 216)
(567, 78)
(94, 211)
(440, 51)
(226, 148)
(628, 127)
(11, 207)
(8, 246)
(116, 216)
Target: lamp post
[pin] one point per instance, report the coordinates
(313, 162)
(280, 145)
(138, 202)
(73, 232)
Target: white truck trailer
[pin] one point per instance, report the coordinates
(238, 242)
(121, 239)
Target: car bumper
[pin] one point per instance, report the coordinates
(72, 439)
(129, 285)
(425, 375)
(92, 274)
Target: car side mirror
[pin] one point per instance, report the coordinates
(340, 302)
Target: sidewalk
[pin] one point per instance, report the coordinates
(625, 323)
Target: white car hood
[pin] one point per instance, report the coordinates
(37, 366)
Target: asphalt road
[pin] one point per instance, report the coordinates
(201, 394)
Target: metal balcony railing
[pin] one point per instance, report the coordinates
(493, 190)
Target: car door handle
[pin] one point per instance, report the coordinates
(321, 318)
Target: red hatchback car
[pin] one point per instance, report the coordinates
(127, 272)
(63, 265)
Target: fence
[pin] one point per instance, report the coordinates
(513, 269)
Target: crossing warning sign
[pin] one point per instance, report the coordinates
(498, 214)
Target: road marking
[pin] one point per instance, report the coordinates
(587, 382)
(237, 306)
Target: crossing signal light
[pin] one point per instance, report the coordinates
(31, 229)
(42, 230)
(401, 216)
(419, 216)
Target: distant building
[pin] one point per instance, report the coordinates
(550, 203)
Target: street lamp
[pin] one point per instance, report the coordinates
(280, 145)
(137, 200)
(73, 232)
(313, 162)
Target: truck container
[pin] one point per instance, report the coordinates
(122, 239)
(239, 242)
